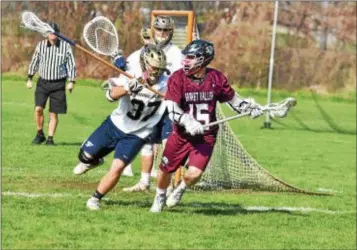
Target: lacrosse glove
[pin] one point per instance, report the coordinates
(250, 105)
(135, 86)
(119, 60)
(191, 125)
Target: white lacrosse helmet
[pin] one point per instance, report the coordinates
(152, 62)
(163, 23)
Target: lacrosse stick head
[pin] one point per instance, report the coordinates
(32, 22)
(281, 109)
(101, 36)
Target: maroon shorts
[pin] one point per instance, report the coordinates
(178, 149)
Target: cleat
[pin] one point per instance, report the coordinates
(138, 187)
(93, 203)
(82, 168)
(50, 142)
(175, 197)
(169, 190)
(128, 171)
(39, 138)
(158, 204)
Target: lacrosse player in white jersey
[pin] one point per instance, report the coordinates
(125, 131)
(162, 33)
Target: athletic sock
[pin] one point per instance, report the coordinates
(160, 191)
(50, 138)
(97, 195)
(182, 185)
(145, 178)
(40, 132)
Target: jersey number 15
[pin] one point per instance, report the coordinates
(201, 113)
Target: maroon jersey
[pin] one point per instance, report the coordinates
(199, 99)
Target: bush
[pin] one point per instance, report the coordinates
(242, 38)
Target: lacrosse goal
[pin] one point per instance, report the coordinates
(231, 166)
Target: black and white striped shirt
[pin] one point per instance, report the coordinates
(53, 62)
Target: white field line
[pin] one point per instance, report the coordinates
(328, 190)
(248, 208)
(27, 104)
(50, 195)
(34, 195)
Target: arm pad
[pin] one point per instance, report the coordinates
(240, 104)
(175, 112)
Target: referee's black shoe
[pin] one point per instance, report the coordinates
(50, 142)
(39, 139)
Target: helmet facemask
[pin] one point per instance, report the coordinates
(191, 64)
(153, 63)
(163, 30)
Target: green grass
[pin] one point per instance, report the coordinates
(314, 147)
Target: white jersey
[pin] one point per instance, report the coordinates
(173, 59)
(139, 113)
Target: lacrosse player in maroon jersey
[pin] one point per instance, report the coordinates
(191, 100)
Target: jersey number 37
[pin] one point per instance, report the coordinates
(142, 111)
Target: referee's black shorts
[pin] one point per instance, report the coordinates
(55, 91)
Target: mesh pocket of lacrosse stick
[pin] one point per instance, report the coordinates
(281, 109)
(101, 36)
(32, 22)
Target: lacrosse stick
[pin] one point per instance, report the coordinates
(101, 36)
(32, 22)
(279, 109)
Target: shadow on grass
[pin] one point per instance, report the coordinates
(69, 143)
(214, 208)
(335, 128)
(142, 203)
(205, 208)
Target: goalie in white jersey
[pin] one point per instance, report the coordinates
(162, 33)
(126, 130)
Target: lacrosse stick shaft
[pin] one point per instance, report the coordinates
(226, 119)
(285, 104)
(104, 62)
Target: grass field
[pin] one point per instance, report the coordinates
(43, 203)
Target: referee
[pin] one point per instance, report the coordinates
(54, 61)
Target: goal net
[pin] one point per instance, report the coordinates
(231, 166)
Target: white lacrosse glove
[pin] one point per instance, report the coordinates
(192, 126)
(250, 105)
(135, 86)
(256, 112)
(29, 84)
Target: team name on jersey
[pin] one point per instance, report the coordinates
(199, 96)
(144, 95)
